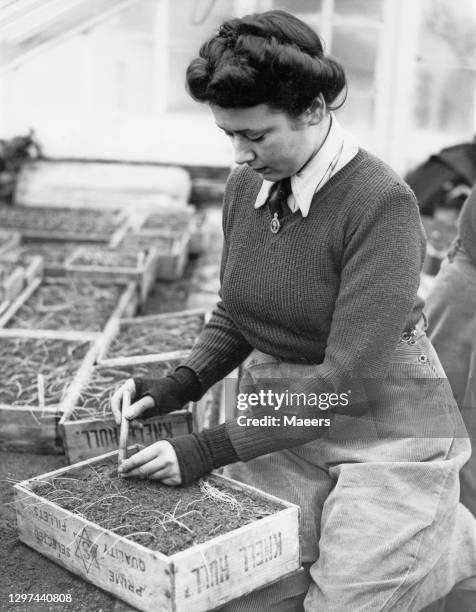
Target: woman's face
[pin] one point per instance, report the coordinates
(269, 141)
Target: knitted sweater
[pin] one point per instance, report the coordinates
(336, 288)
(467, 225)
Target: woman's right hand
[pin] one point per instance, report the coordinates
(136, 408)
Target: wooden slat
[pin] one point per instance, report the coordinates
(114, 362)
(19, 301)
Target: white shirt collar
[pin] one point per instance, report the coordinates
(312, 177)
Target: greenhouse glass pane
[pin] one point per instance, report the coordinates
(188, 28)
(356, 49)
(358, 114)
(436, 106)
(372, 9)
(298, 6)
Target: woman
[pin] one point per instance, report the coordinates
(451, 309)
(323, 248)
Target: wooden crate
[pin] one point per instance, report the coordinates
(126, 306)
(142, 273)
(87, 434)
(34, 428)
(200, 578)
(65, 224)
(171, 251)
(108, 356)
(168, 221)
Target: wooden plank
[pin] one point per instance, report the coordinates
(114, 362)
(238, 562)
(82, 377)
(152, 318)
(199, 578)
(19, 301)
(86, 438)
(34, 269)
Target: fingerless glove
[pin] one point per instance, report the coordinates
(200, 453)
(170, 392)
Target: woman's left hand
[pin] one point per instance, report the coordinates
(155, 462)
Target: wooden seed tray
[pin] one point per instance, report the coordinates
(171, 251)
(87, 426)
(142, 273)
(28, 426)
(200, 578)
(174, 221)
(163, 343)
(126, 305)
(61, 223)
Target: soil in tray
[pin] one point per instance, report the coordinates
(22, 360)
(109, 258)
(71, 304)
(94, 401)
(162, 518)
(177, 221)
(173, 333)
(66, 220)
(54, 253)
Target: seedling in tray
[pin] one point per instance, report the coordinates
(62, 223)
(169, 220)
(156, 547)
(37, 374)
(68, 304)
(167, 335)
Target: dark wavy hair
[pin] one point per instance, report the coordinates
(268, 58)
